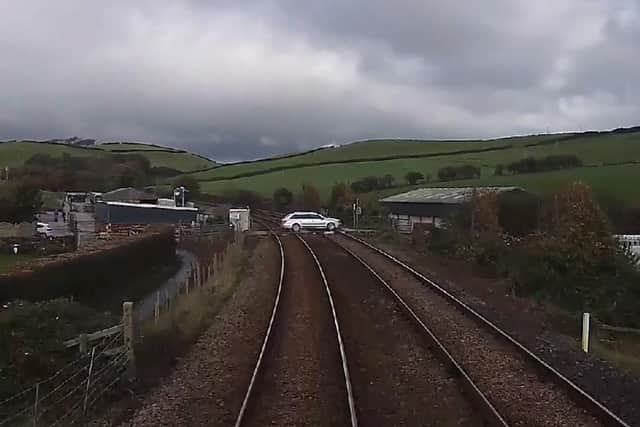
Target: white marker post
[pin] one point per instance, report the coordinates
(585, 332)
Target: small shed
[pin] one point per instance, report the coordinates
(239, 218)
(431, 205)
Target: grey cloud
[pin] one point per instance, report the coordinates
(236, 80)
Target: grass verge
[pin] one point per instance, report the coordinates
(163, 343)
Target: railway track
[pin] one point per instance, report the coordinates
(521, 387)
(397, 378)
(301, 375)
(507, 383)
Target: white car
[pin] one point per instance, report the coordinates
(44, 229)
(296, 221)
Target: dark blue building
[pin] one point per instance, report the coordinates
(143, 213)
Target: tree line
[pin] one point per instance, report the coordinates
(532, 165)
(89, 173)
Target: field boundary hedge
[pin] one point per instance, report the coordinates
(356, 160)
(83, 275)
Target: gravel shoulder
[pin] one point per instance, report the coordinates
(510, 384)
(208, 385)
(396, 379)
(551, 333)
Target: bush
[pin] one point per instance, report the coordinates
(577, 263)
(413, 177)
(310, 197)
(190, 183)
(572, 259)
(31, 336)
(243, 198)
(341, 196)
(19, 202)
(282, 198)
(387, 181)
(451, 173)
(532, 165)
(88, 173)
(366, 184)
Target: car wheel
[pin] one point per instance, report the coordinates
(295, 228)
(331, 226)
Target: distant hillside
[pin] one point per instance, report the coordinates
(15, 153)
(609, 159)
(611, 162)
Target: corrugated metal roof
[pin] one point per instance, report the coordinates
(127, 194)
(442, 194)
(150, 206)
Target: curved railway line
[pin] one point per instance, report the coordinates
(506, 382)
(300, 378)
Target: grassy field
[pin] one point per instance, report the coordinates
(369, 150)
(180, 161)
(612, 148)
(596, 152)
(7, 260)
(14, 154)
(617, 181)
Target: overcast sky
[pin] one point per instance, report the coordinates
(243, 79)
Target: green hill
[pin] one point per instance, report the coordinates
(15, 153)
(611, 162)
(608, 159)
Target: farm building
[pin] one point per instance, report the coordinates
(143, 213)
(431, 205)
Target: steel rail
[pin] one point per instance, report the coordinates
(491, 414)
(588, 402)
(276, 305)
(343, 354)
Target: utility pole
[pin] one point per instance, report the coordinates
(353, 209)
(356, 212)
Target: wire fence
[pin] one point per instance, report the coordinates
(68, 395)
(65, 397)
(195, 273)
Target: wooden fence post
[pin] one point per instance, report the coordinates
(35, 406)
(83, 343)
(156, 311)
(585, 332)
(128, 333)
(86, 390)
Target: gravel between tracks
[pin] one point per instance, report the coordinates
(208, 385)
(301, 383)
(513, 386)
(397, 380)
